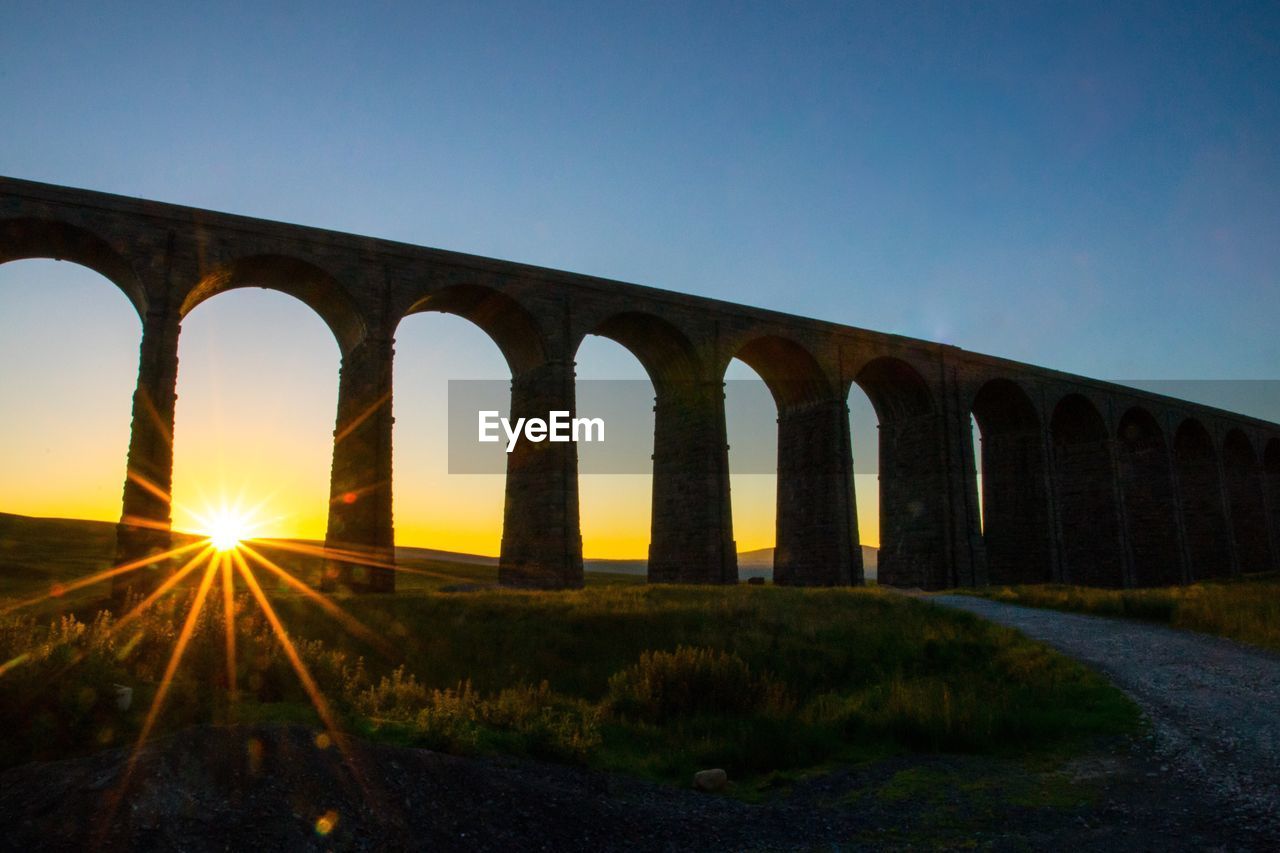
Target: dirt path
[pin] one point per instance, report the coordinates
(1214, 705)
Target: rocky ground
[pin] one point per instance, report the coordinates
(274, 788)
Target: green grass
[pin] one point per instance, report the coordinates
(1246, 609)
(658, 681)
(782, 680)
(1051, 789)
(36, 553)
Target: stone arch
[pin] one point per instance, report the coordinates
(1015, 501)
(896, 389)
(690, 528)
(663, 350)
(262, 405)
(815, 518)
(1200, 492)
(304, 281)
(541, 538)
(25, 238)
(502, 318)
(624, 513)
(432, 507)
(1088, 513)
(1146, 483)
(789, 369)
(1243, 481)
(912, 475)
(70, 352)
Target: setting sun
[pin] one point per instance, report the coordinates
(226, 529)
(226, 533)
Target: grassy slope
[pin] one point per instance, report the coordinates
(864, 672)
(787, 679)
(38, 552)
(1246, 609)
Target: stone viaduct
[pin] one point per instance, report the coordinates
(1083, 481)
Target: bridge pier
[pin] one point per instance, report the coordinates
(1180, 515)
(1271, 495)
(692, 527)
(817, 531)
(930, 525)
(144, 528)
(1017, 528)
(1246, 504)
(1149, 508)
(1088, 516)
(913, 504)
(1125, 555)
(966, 549)
(541, 535)
(360, 521)
(1202, 503)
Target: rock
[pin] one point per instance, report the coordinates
(710, 781)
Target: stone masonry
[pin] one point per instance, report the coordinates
(1084, 481)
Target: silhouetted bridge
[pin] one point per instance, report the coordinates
(1083, 481)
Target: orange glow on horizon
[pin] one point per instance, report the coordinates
(619, 531)
(616, 528)
(256, 416)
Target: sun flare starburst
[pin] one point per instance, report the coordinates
(226, 533)
(229, 552)
(227, 527)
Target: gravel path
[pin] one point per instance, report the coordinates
(1214, 705)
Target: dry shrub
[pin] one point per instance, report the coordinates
(663, 686)
(524, 719)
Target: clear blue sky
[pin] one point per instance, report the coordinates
(1091, 187)
(1079, 185)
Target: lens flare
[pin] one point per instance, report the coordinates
(226, 531)
(227, 525)
(223, 553)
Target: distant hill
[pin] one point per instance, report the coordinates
(757, 563)
(36, 552)
(620, 567)
(34, 549)
(408, 553)
(760, 562)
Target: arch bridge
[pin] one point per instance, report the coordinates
(1083, 481)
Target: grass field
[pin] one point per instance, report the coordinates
(1246, 609)
(654, 680)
